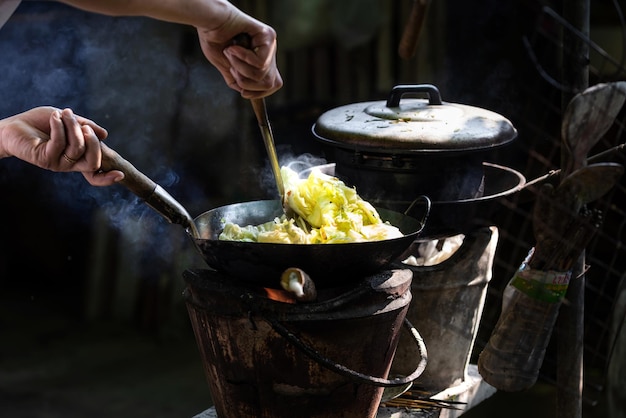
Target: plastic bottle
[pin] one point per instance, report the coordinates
(512, 358)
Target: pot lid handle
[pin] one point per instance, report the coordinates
(434, 98)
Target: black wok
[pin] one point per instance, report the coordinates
(329, 265)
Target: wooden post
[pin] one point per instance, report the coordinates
(570, 323)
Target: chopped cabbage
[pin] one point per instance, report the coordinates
(332, 213)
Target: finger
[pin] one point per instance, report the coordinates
(55, 147)
(101, 179)
(75, 140)
(56, 144)
(92, 158)
(246, 63)
(256, 57)
(251, 89)
(229, 79)
(100, 132)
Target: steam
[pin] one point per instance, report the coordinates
(298, 163)
(164, 106)
(123, 73)
(304, 162)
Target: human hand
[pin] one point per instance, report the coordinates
(57, 140)
(250, 71)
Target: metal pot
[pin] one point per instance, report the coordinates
(396, 150)
(329, 265)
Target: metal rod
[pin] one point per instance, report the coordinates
(594, 158)
(260, 111)
(570, 323)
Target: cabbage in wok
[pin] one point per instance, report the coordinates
(327, 211)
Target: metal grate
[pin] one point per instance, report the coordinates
(606, 254)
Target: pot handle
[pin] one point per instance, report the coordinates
(434, 98)
(427, 204)
(345, 371)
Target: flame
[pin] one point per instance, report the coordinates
(279, 295)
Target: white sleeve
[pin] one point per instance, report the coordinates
(7, 7)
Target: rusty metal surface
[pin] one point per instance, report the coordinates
(253, 371)
(447, 306)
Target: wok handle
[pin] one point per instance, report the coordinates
(427, 204)
(134, 180)
(146, 189)
(345, 371)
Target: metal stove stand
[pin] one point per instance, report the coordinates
(468, 393)
(472, 392)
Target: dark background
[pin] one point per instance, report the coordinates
(99, 272)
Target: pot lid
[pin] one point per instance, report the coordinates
(413, 125)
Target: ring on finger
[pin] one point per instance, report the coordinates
(68, 159)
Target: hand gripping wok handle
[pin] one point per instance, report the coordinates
(344, 371)
(146, 189)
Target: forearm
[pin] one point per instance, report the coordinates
(6, 143)
(3, 149)
(250, 71)
(209, 14)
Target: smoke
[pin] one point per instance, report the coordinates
(37, 68)
(298, 163)
(167, 110)
(127, 75)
